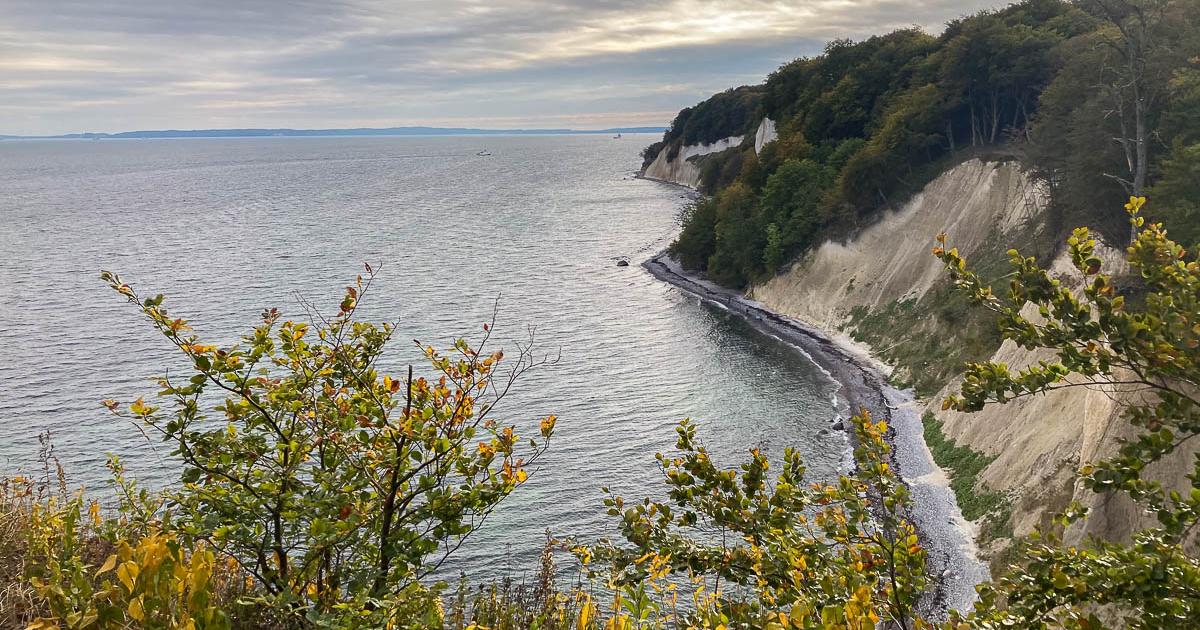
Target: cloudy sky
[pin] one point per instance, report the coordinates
(108, 65)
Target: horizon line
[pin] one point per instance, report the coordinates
(335, 131)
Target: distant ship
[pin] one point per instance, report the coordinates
(484, 153)
(617, 137)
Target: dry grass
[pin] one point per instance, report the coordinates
(19, 603)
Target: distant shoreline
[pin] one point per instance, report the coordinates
(953, 564)
(362, 132)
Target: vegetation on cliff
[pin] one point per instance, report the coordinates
(1097, 96)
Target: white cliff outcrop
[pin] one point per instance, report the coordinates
(766, 133)
(683, 169)
(890, 260)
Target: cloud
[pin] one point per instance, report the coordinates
(100, 65)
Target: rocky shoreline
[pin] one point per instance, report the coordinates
(953, 561)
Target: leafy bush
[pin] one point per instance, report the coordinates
(86, 569)
(336, 488)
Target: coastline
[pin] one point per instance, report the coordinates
(952, 564)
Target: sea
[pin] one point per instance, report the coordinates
(530, 233)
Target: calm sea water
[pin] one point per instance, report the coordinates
(228, 227)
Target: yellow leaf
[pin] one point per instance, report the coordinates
(127, 573)
(586, 613)
(108, 564)
(135, 609)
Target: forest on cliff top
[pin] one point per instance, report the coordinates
(1100, 99)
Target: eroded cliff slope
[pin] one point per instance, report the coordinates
(884, 287)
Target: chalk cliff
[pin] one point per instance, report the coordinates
(1037, 441)
(684, 167)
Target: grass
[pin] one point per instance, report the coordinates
(965, 464)
(19, 603)
(928, 340)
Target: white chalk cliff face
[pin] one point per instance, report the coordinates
(685, 171)
(1038, 441)
(766, 133)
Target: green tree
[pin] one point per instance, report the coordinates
(336, 487)
(1176, 194)
(997, 69)
(1071, 143)
(1147, 349)
(773, 253)
(698, 239)
(740, 238)
(1135, 72)
(792, 201)
(910, 133)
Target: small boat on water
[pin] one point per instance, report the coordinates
(484, 153)
(617, 137)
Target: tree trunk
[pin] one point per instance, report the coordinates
(974, 126)
(1025, 118)
(389, 507)
(995, 115)
(1141, 149)
(1139, 175)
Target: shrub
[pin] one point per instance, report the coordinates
(790, 553)
(336, 488)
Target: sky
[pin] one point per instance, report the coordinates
(104, 66)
